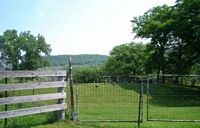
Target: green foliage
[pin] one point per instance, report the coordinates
(127, 59)
(10, 51)
(156, 25)
(86, 75)
(174, 33)
(187, 29)
(195, 69)
(23, 51)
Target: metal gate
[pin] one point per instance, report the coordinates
(110, 99)
(104, 101)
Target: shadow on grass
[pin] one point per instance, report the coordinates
(168, 95)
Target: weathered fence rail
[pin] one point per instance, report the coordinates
(60, 96)
(15, 74)
(27, 86)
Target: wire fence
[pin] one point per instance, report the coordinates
(107, 100)
(173, 98)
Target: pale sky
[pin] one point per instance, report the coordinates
(76, 26)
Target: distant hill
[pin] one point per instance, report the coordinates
(77, 60)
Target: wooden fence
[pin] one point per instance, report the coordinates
(60, 96)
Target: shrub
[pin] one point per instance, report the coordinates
(86, 75)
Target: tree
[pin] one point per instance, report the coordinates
(2, 54)
(33, 48)
(155, 24)
(185, 36)
(23, 51)
(187, 30)
(174, 34)
(11, 48)
(126, 59)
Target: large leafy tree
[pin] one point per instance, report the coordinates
(155, 25)
(187, 29)
(127, 59)
(174, 34)
(33, 48)
(10, 48)
(23, 51)
(188, 22)
(185, 36)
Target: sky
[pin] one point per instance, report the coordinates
(76, 26)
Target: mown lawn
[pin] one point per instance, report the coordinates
(172, 102)
(120, 125)
(108, 102)
(116, 102)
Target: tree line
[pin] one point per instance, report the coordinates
(78, 60)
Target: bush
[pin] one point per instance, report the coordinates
(86, 75)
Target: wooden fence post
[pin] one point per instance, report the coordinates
(71, 89)
(140, 112)
(6, 106)
(148, 79)
(77, 104)
(61, 113)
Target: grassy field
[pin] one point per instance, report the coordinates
(108, 102)
(120, 125)
(116, 102)
(174, 102)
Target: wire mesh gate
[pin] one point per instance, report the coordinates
(173, 98)
(114, 102)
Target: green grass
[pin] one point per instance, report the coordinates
(120, 125)
(174, 102)
(116, 102)
(108, 102)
